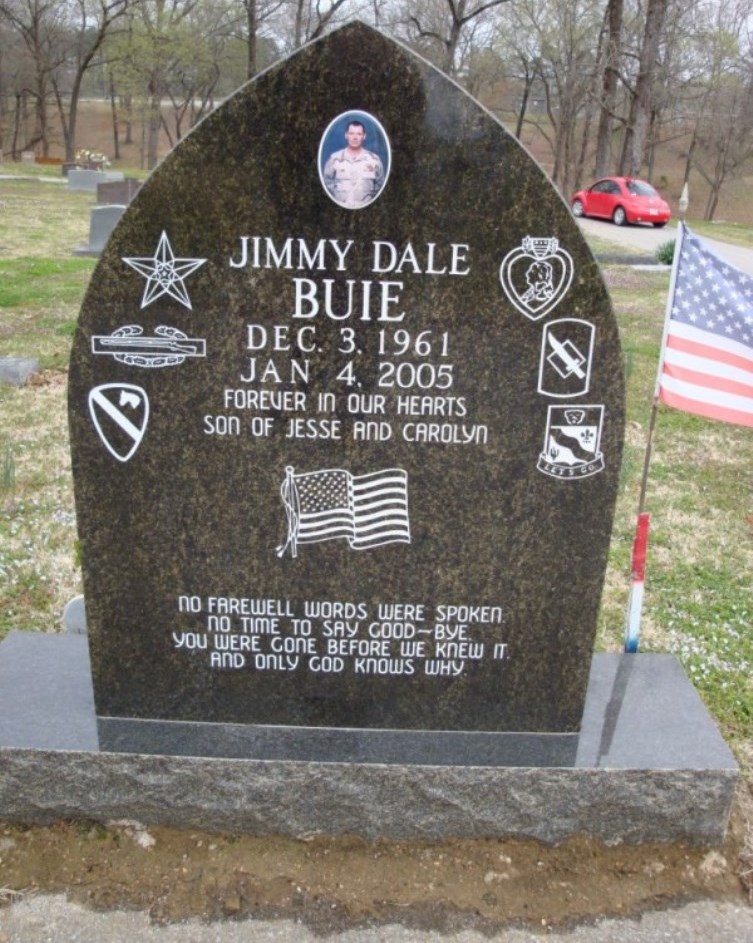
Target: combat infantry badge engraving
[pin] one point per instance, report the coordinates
(536, 275)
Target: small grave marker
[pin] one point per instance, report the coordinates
(15, 371)
(102, 221)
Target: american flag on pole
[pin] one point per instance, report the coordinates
(706, 367)
(366, 510)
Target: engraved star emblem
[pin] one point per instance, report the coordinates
(164, 273)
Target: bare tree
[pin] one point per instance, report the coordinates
(256, 15)
(16, 77)
(147, 58)
(90, 22)
(38, 24)
(636, 130)
(312, 19)
(439, 28)
(721, 143)
(555, 38)
(725, 139)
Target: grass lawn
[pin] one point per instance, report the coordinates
(699, 595)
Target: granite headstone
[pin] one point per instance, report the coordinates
(119, 192)
(346, 423)
(81, 178)
(102, 221)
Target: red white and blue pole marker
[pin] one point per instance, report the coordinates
(637, 581)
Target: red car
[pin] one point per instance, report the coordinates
(623, 200)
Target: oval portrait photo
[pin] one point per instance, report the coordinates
(354, 159)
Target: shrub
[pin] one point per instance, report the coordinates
(666, 252)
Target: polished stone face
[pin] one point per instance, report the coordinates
(346, 410)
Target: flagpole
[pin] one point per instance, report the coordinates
(681, 229)
(662, 349)
(647, 455)
(640, 541)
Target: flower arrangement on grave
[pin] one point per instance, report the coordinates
(91, 159)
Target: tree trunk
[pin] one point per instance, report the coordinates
(3, 111)
(142, 148)
(16, 126)
(153, 128)
(689, 159)
(712, 202)
(64, 122)
(42, 128)
(720, 173)
(70, 137)
(527, 86)
(652, 143)
(640, 107)
(114, 113)
(252, 25)
(452, 41)
(609, 87)
(127, 105)
(298, 31)
(580, 165)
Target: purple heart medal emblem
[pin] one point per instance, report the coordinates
(536, 275)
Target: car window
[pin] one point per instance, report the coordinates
(603, 186)
(638, 188)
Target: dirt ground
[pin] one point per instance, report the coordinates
(336, 883)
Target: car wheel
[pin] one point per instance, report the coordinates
(619, 217)
(659, 225)
(577, 208)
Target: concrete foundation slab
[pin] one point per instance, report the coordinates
(650, 766)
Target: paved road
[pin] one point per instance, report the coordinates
(648, 238)
(51, 919)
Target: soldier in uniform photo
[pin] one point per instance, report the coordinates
(354, 176)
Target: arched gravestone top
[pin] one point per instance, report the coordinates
(346, 424)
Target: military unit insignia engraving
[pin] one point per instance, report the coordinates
(566, 351)
(572, 442)
(120, 413)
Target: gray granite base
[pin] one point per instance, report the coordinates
(650, 766)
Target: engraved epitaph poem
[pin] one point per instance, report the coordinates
(346, 415)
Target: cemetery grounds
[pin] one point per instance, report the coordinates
(698, 605)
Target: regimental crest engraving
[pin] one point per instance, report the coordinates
(572, 443)
(566, 352)
(120, 413)
(165, 274)
(332, 504)
(536, 276)
(167, 348)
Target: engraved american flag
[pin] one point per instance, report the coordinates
(366, 510)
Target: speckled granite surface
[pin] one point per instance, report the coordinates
(442, 391)
(651, 766)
